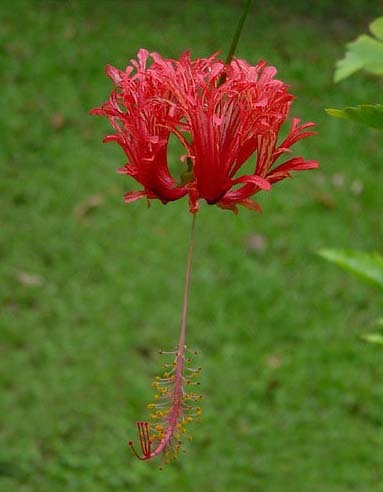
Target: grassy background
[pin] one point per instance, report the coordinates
(91, 288)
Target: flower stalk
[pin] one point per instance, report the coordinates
(238, 32)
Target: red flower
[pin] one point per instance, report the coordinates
(222, 115)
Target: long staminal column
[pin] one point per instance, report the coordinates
(173, 407)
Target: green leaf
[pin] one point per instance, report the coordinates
(373, 338)
(368, 266)
(376, 27)
(367, 114)
(365, 53)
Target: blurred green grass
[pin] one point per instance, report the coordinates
(88, 294)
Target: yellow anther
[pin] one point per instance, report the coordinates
(151, 405)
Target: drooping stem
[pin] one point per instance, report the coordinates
(235, 40)
(238, 31)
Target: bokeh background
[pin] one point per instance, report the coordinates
(92, 288)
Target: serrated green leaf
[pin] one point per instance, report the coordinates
(367, 114)
(347, 66)
(373, 338)
(363, 53)
(376, 27)
(368, 266)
